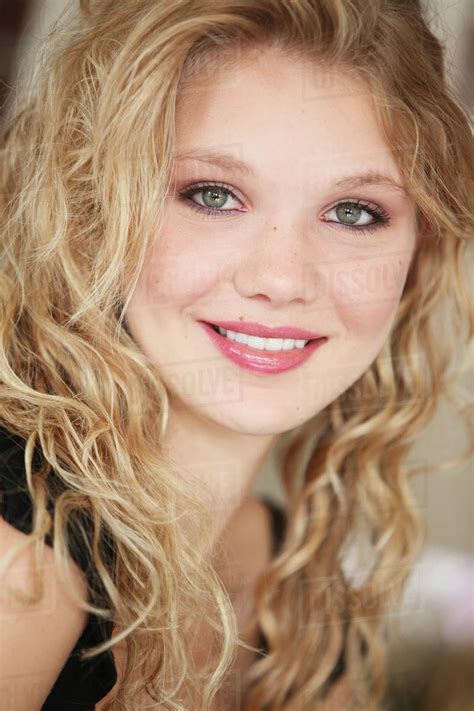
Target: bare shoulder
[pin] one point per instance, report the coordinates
(35, 640)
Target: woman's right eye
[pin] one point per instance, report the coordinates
(213, 196)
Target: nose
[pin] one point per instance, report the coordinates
(281, 267)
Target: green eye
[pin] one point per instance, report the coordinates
(357, 216)
(348, 213)
(214, 198)
(209, 199)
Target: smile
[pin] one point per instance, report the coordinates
(276, 356)
(261, 344)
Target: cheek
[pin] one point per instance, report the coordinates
(179, 270)
(367, 292)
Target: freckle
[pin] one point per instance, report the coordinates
(274, 229)
(241, 318)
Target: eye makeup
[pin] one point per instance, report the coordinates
(379, 216)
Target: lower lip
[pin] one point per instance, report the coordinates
(262, 361)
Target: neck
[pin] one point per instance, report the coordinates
(221, 463)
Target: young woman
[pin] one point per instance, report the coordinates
(228, 231)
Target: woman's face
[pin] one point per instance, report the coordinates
(303, 224)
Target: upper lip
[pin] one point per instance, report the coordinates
(257, 329)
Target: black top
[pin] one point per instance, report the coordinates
(80, 685)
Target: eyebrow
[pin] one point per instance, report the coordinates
(220, 160)
(230, 163)
(370, 177)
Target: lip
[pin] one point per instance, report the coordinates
(257, 329)
(261, 362)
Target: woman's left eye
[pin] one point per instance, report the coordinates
(355, 215)
(350, 215)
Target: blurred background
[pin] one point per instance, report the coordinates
(432, 636)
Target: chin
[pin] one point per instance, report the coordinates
(257, 421)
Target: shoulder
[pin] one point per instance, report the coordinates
(19, 571)
(36, 638)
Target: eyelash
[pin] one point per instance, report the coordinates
(381, 218)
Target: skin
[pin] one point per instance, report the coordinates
(273, 258)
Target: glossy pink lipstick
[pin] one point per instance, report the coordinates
(263, 361)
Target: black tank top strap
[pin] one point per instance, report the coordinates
(278, 522)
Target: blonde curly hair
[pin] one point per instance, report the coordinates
(86, 164)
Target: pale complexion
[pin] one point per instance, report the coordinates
(276, 252)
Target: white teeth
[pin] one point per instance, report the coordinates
(274, 344)
(267, 344)
(256, 342)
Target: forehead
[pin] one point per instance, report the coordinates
(275, 110)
